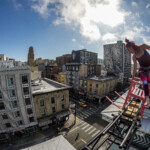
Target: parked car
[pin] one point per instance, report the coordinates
(82, 100)
(82, 104)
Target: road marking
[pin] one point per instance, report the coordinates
(87, 113)
(95, 133)
(83, 141)
(73, 129)
(88, 129)
(77, 141)
(92, 131)
(85, 126)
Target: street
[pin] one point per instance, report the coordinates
(88, 125)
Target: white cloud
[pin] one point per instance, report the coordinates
(109, 37)
(73, 40)
(16, 4)
(147, 6)
(134, 4)
(85, 16)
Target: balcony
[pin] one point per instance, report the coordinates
(13, 98)
(26, 95)
(5, 121)
(10, 86)
(30, 115)
(29, 106)
(25, 85)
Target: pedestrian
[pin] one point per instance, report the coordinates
(77, 136)
(141, 55)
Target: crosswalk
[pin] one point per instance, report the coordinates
(85, 113)
(87, 128)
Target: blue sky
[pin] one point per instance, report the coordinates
(56, 27)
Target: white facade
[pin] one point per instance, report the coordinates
(2, 57)
(16, 103)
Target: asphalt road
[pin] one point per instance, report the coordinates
(89, 123)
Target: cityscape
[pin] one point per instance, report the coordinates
(66, 76)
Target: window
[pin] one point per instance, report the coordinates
(17, 114)
(29, 110)
(14, 104)
(31, 119)
(0, 94)
(62, 98)
(53, 109)
(8, 125)
(4, 116)
(12, 93)
(24, 79)
(43, 112)
(63, 106)
(90, 89)
(10, 81)
(52, 100)
(2, 106)
(41, 102)
(96, 85)
(27, 101)
(90, 84)
(26, 90)
(20, 122)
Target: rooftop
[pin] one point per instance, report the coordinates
(103, 78)
(46, 85)
(57, 143)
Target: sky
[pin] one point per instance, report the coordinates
(56, 27)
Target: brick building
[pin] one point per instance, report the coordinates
(62, 60)
(83, 56)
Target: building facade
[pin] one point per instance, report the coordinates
(50, 71)
(16, 103)
(99, 87)
(117, 59)
(77, 73)
(62, 60)
(31, 56)
(3, 57)
(85, 57)
(51, 100)
(61, 77)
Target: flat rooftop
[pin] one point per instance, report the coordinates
(46, 85)
(57, 143)
(102, 78)
(107, 114)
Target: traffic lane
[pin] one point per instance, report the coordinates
(86, 133)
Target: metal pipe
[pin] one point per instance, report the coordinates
(132, 127)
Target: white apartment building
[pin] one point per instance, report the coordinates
(16, 104)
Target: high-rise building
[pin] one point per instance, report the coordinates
(16, 103)
(117, 59)
(85, 57)
(31, 56)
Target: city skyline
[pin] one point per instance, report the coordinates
(55, 27)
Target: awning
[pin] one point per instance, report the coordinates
(43, 123)
(81, 93)
(63, 115)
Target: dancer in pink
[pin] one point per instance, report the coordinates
(141, 55)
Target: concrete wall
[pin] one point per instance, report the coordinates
(35, 75)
